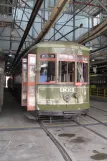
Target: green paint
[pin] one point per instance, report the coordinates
(52, 93)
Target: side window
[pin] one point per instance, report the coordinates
(66, 71)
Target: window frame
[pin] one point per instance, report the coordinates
(85, 62)
(66, 60)
(48, 60)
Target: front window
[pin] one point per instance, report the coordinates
(47, 68)
(66, 71)
(47, 72)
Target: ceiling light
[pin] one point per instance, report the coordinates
(91, 48)
(5, 16)
(92, 60)
(10, 55)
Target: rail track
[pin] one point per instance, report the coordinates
(86, 127)
(98, 109)
(46, 124)
(58, 145)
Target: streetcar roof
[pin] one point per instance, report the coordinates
(59, 44)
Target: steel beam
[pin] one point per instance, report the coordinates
(31, 20)
(45, 21)
(97, 31)
(54, 28)
(102, 48)
(85, 3)
(71, 18)
(101, 5)
(13, 41)
(6, 5)
(68, 33)
(52, 19)
(23, 31)
(32, 24)
(2, 31)
(23, 14)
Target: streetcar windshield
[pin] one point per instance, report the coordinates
(47, 71)
(66, 71)
(47, 68)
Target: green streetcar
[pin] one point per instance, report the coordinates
(55, 79)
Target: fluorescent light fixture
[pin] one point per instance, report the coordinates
(92, 60)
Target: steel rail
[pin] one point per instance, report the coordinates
(47, 125)
(89, 129)
(98, 109)
(58, 145)
(97, 120)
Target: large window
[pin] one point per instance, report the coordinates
(47, 72)
(47, 68)
(66, 71)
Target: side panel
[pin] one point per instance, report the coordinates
(31, 85)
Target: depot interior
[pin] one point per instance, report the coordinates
(79, 21)
(22, 22)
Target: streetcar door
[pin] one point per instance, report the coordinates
(24, 83)
(31, 84)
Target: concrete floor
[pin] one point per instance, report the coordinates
(23, 145)
(23, 140)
